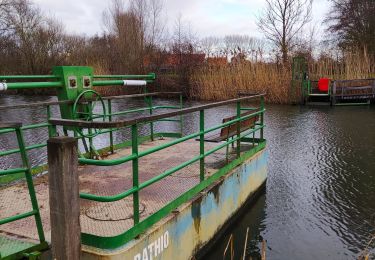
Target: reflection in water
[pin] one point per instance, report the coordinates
(321, 187)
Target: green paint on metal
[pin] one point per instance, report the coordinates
(75, 79)
(73, 83)
(119, 240)
(10, 251)
(134, 130)
(11, 248)
(201, 145)
(299, 84)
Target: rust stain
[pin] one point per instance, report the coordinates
(215, 190)
(196, 213)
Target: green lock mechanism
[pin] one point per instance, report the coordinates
(300, 80)
(77, 87)
(74, 85)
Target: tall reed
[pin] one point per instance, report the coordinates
(220, 82)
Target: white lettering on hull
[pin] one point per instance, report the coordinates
(154, 249)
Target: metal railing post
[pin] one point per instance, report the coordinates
(261, 116)
(238, 129)
(151, 123)
(181, 106)
(51, 128)
(110, 130)
(201, 144)
(64, 198)
(134, 129)
(30, 185)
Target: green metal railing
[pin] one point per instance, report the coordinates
(52, 129)
(26, 170)
(140, 226)
(68, 94)
(17, 173)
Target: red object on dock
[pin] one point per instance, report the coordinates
(323, 84)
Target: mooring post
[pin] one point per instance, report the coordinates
(64, 198)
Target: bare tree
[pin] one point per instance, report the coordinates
(283, 20)
(35, 42)
(352, 23)
(135, 29)
(209, 45)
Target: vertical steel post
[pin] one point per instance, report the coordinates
(201, 144)
(91, 152)
(181, 106)
(261, 116)
(134, 129)
(238, 129)
(148, 101)
(51, 128)
(110, 130)
(30, 185)
(151, 123)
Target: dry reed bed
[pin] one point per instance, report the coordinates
(223, 82)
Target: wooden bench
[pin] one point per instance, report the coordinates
(231, 130)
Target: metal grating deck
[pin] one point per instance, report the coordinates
(110, 219)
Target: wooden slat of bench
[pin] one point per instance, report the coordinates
(231, 130)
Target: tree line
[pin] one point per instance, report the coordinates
(135, 37)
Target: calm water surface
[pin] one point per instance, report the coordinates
(320, 195)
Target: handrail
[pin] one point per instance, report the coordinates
(50, 103)
(119, 196)
(145, 119)
(151, 76)
(5, 77)
(128, 158)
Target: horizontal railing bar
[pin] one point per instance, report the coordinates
(130, 111)
(142, 95)
(164, 174)
(141, 109)
(23, 85)
(107, 198)
(17, 217)
(232, 140)
(6, 77)
(148, 76)
(248, 108)
(163, 146)
(122, 123)
(107, 162)
(50, 103)
(168, 120)
(352, 80)
(12, 171)
(167, 107)
(27, 148)
(26, 127)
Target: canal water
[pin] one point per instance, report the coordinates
(320, 195)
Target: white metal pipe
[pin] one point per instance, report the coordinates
(3, 86)
(135, 82)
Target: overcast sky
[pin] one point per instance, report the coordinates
(207, 17)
